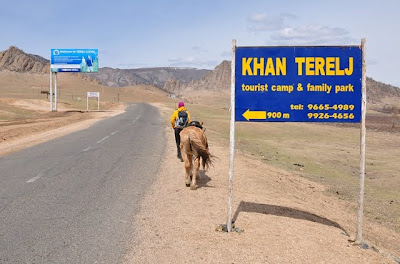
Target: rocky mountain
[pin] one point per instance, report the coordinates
(220, 80)
(14, 59)
(178, 81)
(216, 80)
(152, 76)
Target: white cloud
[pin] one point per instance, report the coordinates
(312, 35)
(226, 55)
(264, 22)
(130, 65)
(289, 15)
(258, 17)
(199, 49)
(192, 61)
(188, 59)
(281, 33)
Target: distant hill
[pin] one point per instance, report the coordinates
(215, 80)
(14, 59)
(220, 80)
(151, 76)
(376, 91)
(178, 81)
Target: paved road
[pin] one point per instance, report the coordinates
(73, 199)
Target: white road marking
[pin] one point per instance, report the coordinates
(35, 178)
(136, 119)
(104, 138)
(86, 149)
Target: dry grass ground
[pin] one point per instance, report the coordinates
(295, 184)
(286, 217)
(72, 90)
(324, 153)
(25, 110)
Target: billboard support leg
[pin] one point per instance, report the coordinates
(51, 91)
(55, 91)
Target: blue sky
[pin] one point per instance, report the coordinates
(199, 33)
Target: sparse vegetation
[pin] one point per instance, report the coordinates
(324, 153)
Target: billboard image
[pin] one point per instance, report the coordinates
(74, 60)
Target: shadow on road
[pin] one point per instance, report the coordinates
(203, 179)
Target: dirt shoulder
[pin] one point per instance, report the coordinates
(19, 134)
(282, 218)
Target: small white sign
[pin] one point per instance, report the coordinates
(93, 94)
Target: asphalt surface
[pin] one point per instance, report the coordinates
(74, 199)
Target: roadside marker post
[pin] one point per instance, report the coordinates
(299, 84)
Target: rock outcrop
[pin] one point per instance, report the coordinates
(217, 80)
(14, 59)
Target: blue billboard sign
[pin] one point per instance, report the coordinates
(74, 60)
(298, 84)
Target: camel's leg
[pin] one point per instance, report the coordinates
(188, 165)
(196, 166)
